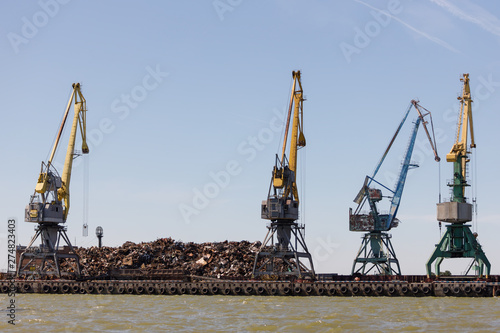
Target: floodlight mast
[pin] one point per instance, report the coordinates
(99, 234)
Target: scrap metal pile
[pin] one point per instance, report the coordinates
(223, 259)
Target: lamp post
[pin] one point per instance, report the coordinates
(98, 232)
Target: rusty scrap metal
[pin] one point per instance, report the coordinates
(218, 259)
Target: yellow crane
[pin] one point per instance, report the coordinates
(459, 151)
(284, 246)
(48, 179)
(458, 241)
(49, 206)
(283, 174)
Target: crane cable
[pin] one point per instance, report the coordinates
(85, 195)
(285, 115)
(302, 190)
(474, 191)
(439, 190)
(55, 133)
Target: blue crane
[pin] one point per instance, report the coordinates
(376, 250)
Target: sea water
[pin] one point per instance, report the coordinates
(187, 313)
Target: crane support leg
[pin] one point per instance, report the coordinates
(47, 259)
(288, 256)
(376, 252)
(459, 242)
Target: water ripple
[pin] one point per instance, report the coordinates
(132, 313)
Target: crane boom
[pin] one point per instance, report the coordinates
(407, 164)
(49, 182)
(384, 155)
(384, 222)
(297, 140)
(458, 152)
(396, 199)
(79, 120)
(61, 128)
(285, 170)
(283, 198)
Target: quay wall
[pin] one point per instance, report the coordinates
(257, 288)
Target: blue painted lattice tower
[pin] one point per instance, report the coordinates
(376, 253)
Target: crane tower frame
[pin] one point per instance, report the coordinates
(376, 252)
(459, 241)
(49, 205)
(284, 251)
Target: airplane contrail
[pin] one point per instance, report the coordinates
(429, 37)
(480, 16)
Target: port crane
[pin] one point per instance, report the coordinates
(459, 241)
(50, 203)
(284, 251)
(376, 252)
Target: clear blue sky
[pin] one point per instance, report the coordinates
(181, 92)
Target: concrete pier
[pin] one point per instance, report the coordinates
(258, 288)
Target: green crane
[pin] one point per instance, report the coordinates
(458, 241)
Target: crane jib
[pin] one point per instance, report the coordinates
(49, 182)
(384, 222)
(402, 176)
(391, 142)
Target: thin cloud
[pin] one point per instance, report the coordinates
(474, 14)
(429, 37)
